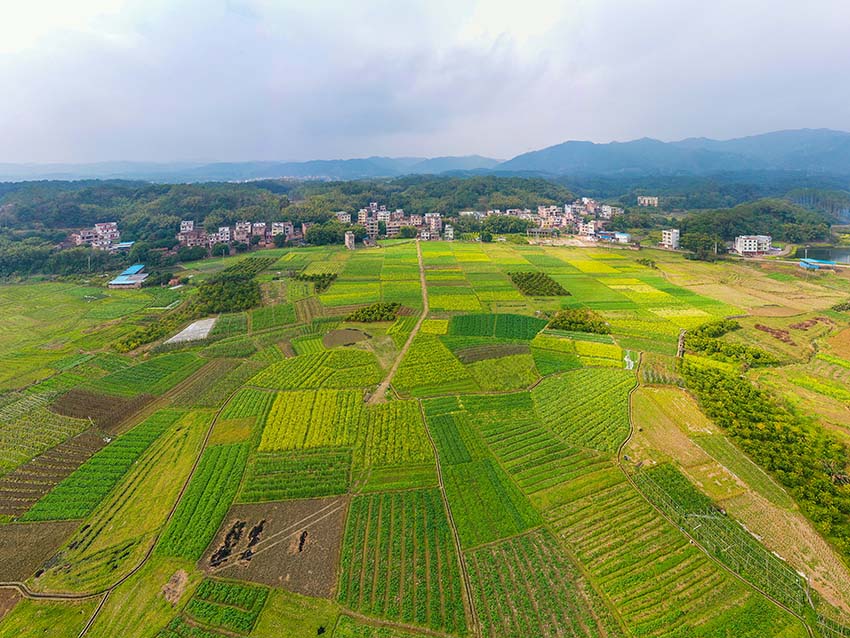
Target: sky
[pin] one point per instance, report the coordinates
(236, 80)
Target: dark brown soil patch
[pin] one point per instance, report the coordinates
(106, 411)
(491, 351)
(293, 544)
(25, 546)
(20, 489)
(8, 599)
(344, 337)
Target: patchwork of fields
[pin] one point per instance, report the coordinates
(255, 483)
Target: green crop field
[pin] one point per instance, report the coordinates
(465, 472)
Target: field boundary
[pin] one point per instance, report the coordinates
(693, 540)
(476, 627)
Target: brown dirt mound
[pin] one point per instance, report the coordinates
(294, 545)
(174, 588)
(106, 411)
(344, 337)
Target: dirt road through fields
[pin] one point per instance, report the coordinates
(380, 394)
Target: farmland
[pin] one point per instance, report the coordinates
(537, 462)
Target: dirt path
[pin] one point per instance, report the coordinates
(380, 394)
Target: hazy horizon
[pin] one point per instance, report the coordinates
(256, 80)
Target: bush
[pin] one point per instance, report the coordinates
(579, 320)
(381, 311)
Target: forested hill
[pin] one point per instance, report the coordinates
(145, 209)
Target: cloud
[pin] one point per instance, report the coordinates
(264, 79)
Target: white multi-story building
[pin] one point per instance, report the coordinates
(258, 229)
(588, 229)
(384, 216)
(349, 240)
(648, 200)
(449, 232)
(670, 238)
(187, 226)
(371, 226)
(343, 218)
(223, 234)
(103, 236)
(416, 220)
(752, 244)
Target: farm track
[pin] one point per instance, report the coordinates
(380, 394)
(690, 538)
(476, 627)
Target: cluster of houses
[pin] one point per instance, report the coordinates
(428, 226)
(243, 232)
(103, 236)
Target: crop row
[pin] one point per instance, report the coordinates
(229, 606)
(154, 376)
(429, 364)
(588, 407)
(660, 583)
(28, 428)
(525, 586)
(248, 402)
(312, 418)
(250, 266)
(271, 316)
(79, 494)
(512, 372)
(279, 476)
(531, 453)
(506, 326)
(205, 502)
(399, 561)
(229, 325)
(336, 369)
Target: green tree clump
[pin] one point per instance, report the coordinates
(579, 320)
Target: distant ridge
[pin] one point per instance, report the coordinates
(808, 150)
(820, 150)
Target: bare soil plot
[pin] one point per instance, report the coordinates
(294, 545)
(839, 344)
(8, 599)
(106, 411)
(344, 337)
(28, 483)
(25, 546)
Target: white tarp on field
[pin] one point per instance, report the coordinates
(194, 331)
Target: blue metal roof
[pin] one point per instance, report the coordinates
(135, 269)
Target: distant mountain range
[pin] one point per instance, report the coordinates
(242, 171)
(807, 150)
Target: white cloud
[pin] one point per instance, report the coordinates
(271, 79)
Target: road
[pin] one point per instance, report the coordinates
(380, 394)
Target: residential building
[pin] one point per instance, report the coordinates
(434, 222)
(384, 216)
(394, 227)
(416, 220)
(425, 234)
(371, 226)
(349, 240)
(305, 226)
(449, 232)
(588, 229)
(187, 226)
(752, 244)
(606, 211)
(283, 228)
(670, 238)
(363, 214)
(242, 232)
(103, 236)
(622, 238)
(648, 200)
(343, 218)
(258, 229)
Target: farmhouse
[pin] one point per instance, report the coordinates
(130, 278)
(752, 244)
(670, 238)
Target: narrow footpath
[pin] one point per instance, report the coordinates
(380, 394)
